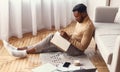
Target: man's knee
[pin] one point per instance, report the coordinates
(51, 35)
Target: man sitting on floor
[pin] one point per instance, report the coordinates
(79, 39)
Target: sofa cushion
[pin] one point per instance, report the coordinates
(105, 14)
(107, 29)
(106, 45)
(117, 17)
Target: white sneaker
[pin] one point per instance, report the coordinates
(13, 50)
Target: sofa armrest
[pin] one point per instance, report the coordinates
(115, 66)
(105, 14)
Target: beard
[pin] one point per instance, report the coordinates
(81, 19)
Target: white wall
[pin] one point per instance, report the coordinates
(115, 3)
(92, 4)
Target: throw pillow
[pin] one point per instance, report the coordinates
(117, 18)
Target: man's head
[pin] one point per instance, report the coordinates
(80, 12)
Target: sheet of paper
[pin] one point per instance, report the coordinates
(60, 42)
(45, 68)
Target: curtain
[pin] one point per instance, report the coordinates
(21, 16)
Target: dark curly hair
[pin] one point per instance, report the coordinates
(80, 8)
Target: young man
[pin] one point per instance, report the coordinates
(79, 39)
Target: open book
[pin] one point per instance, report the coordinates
(60, 42)
(45, 68)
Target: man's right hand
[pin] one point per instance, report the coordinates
(64, 35)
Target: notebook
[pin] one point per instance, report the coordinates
(60, 42)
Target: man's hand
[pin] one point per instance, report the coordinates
(64, 35)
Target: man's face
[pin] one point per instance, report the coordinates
(78, 16)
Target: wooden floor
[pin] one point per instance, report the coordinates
(12, 64)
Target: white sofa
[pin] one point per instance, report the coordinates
(107, 36)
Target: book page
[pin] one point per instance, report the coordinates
(45, 68)
(60, 42)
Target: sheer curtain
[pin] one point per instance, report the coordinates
(22, 16)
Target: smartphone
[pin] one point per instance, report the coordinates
(66, 64)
